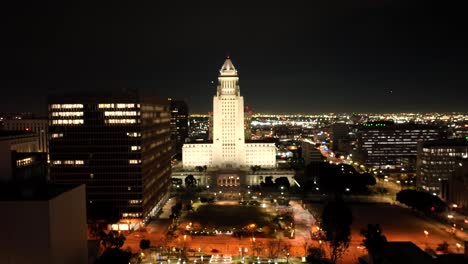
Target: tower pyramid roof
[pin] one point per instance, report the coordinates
(228, 68)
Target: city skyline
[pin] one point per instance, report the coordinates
(331, 57)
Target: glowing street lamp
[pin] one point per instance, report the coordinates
(458, 247)
(426, 233)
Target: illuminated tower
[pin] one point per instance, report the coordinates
(228, 119)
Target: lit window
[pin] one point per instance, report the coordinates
(57, 135)
(56, 162)
(135, 161)
(121, 113)
(135, 148)
(120, 121)
(68, 122)
(79, 162)
(67, 114)
(134, 134)
(66, 106)
(125, 105)
(105, 105)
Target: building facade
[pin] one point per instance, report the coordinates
(310, 153)
(389, 146)
(436, 162)
(19, 156)
(118, 145)
(339, 133)
(229, 148)
(458, 185)
(38, 126)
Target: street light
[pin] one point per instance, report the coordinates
(426, 233)
(458, 247)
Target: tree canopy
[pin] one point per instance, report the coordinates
(336, 222)
(422, 201)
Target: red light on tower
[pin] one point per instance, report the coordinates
(27, 129)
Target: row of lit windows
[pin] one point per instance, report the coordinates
(134, 161)
(134, 134)
(66, 106)
(135, 148)
(57, 135)
(68, 122)
(118, 105)
(24, 162)
(66, 114)
(121, 113)
(131, 215)
(121, 121)
(68, 162)
(134, 201)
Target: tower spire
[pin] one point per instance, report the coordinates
(228, 68)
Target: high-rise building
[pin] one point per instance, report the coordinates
(385, 145)
(310, 153)
(458, 185)
(179, 124)
(437, 159)
(118, 145)
(339, 133)
(38, 126)
(229, 148)
(199, 128)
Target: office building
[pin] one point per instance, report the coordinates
(39, 126)
(458, 185)
(179, 124)
(436, 162)
(389, 146)
(19, 157)
(118, 145)
(339, 134)
(310, 153)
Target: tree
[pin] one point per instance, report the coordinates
(443, 247)
(114, 256)
(282, 181)
(190, 181)
(422, 201)
(199, 168)
(315, 255)
(374, 241)
(111, 240)
(336, 223)
(255, 168)
(145, 244)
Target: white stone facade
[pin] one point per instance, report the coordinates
(228, 149)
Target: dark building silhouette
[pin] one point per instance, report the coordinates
(118, 145)
(179, 124)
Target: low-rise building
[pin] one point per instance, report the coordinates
(43, 224)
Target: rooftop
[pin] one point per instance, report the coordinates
(32, 191)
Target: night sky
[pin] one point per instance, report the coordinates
(292, 56)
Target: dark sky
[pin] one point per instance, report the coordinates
(292, 56)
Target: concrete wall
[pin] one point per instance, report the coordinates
(46, 231)
(68, 241)
(25, 232)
